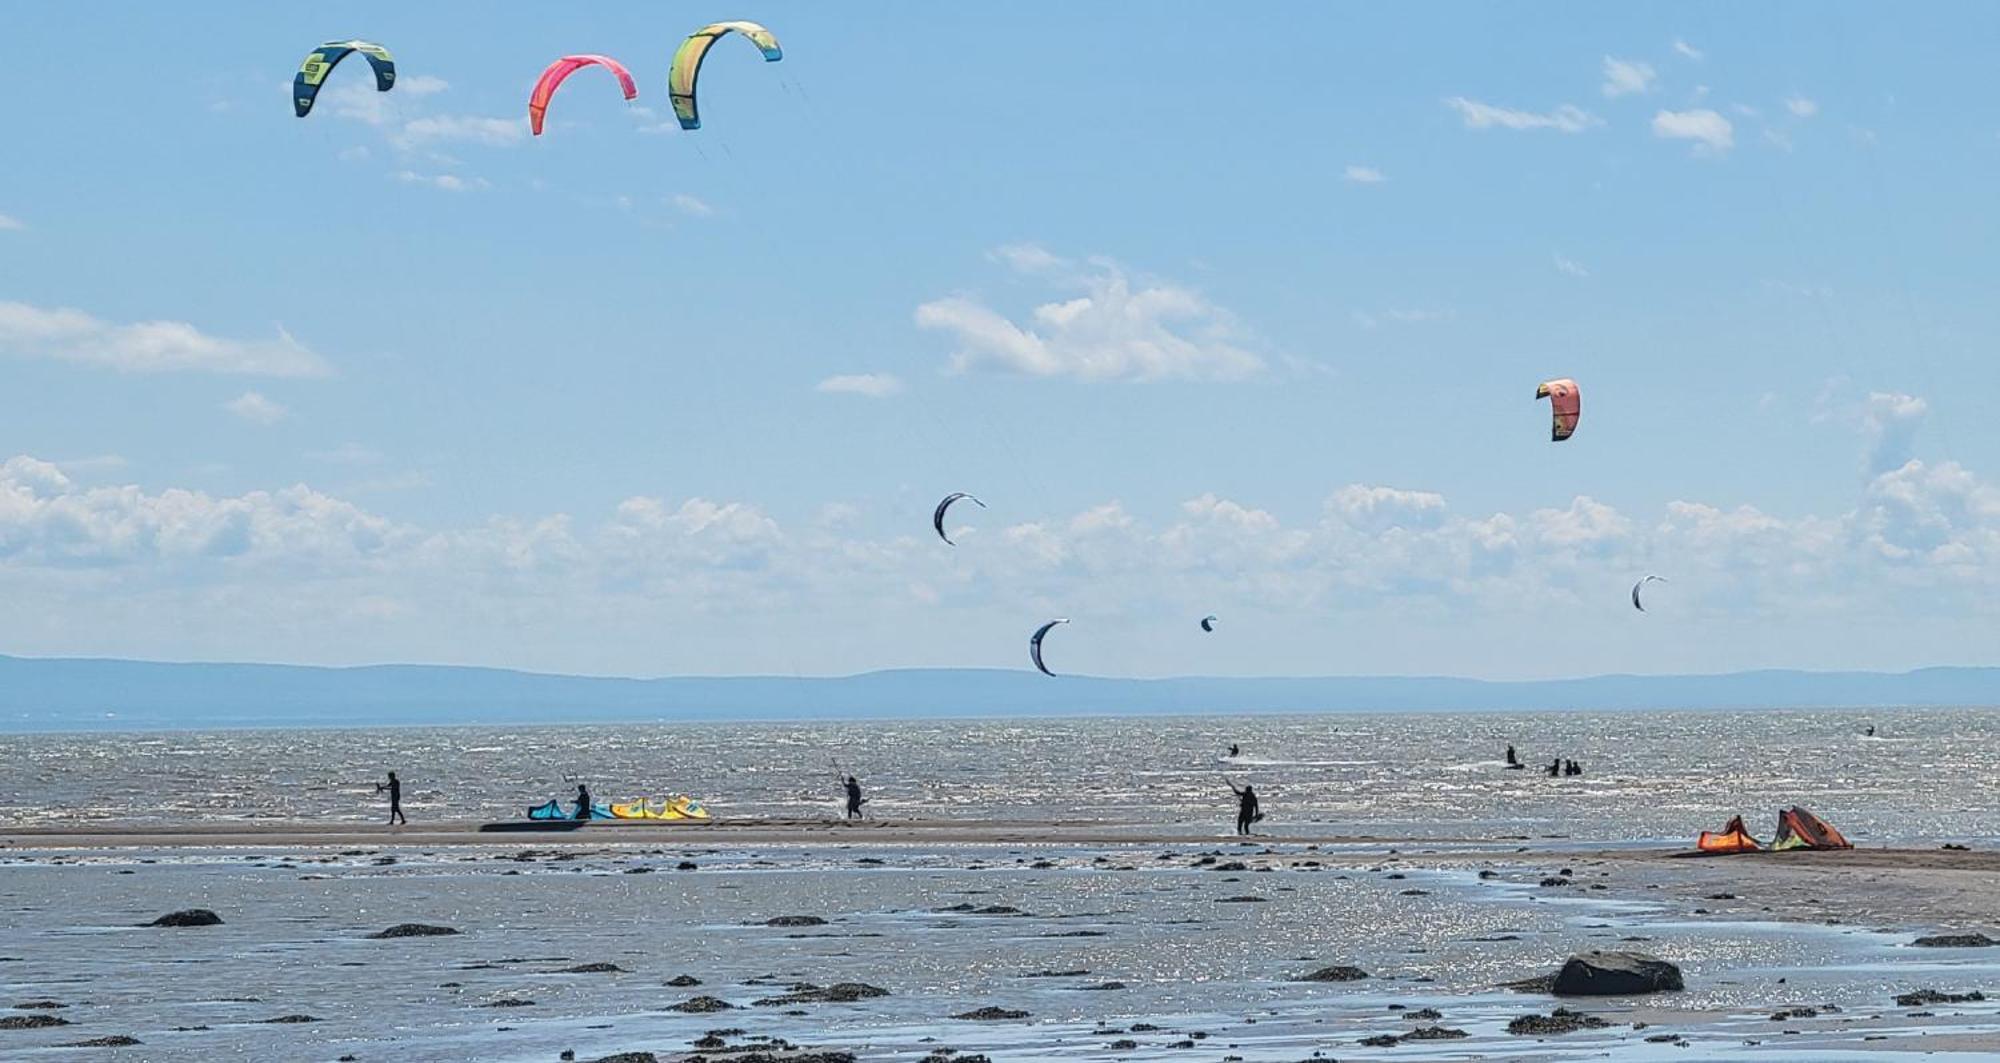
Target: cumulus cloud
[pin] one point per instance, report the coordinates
(9, 223)
(1686, 50)
(1364, 175)
(1889, 424)
(463, 129)
(1710, 131)
(146, 346)
(1113, 329)
(252, 406)
(1570, 266)
(1801, 107)
(1623, 77)
(872, 385)
(1567, 118)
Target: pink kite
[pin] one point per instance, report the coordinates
(1565, 406)
(545, 86)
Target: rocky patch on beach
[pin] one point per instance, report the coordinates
(593, 968)
(702, 1005)
(1559, 1021)
(1336, 973)
(1933, 996)
(991, 1013)
(1955, 941)
(838, 993)
(794, 920)
(683, 981)
(414, 930)
(188, 917)
(31, 1022)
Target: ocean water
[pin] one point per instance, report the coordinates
(1927, 775)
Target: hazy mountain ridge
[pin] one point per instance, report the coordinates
(81, 693)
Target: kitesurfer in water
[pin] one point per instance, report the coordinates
(1234, 750)
(1512, 760)
(854, 798)
(1247, 812)
(582, 802)
(395, 788)
(1555, 768)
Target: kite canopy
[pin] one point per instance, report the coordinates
(937, 516)
(1035, 645)
(1642, 583)
(681, 77)
(1565, 406)
(1800, 829)
(321, 61)
(1732, 838)
(1208, 622)
(545, 86)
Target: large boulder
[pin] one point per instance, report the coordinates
(1955, 941)
(1615, 974)
(414, 930)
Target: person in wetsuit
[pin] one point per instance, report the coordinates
(395, 788)
(1247, 812)
(1235, 750)
(1512, 760)
(582, 802)
(854, 798)
(1555, 767)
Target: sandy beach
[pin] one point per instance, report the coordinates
(1050, 940)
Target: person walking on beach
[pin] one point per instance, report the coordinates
(582, 802)
(1247, 812)
(395, 788)
(854, 798)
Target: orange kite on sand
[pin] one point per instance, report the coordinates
(1733, 838)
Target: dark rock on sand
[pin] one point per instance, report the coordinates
(1788, 1014)
(682, 981)
(508, 1002)
(188, 917)
(593, 968)
(990, 1013)
(687, 865)
(795, 920)
(1955, 941)
(838, 993)
(1615, 974)
(1424, 1015)
(1554, 880)
(1561, 1020)
(1434, 1033)
(1101, 987)
(414, 930)
(1380, 1040)
(40, 1005)
(290, 1020)
(1929, 996)
(628, 1057)
(1123, 1044)
(701, 1005)
(114, 1041)
(1243, 899)
(30, 1022)
(1336, 973)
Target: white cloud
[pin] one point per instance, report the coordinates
(1627, 76)
(254, 407)
(443, 182)
(873, 385)
(1889, 425)
(463, 129)
(1028, 258)
(692, 206)
(1364, 175)
(9, 223)
(1567, 118)
(1686, 50)
(1570, 267)
(1801, 107)
(147, 346)
(1114, 330)
(1710, 131)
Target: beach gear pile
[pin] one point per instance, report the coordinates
(1797, 829)
(676, 806)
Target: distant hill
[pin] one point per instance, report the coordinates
(45, 694)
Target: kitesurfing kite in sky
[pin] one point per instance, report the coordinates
(545, 86)
(1642, 583)
(321, 61)
(1565, 406)
(681, 77)
(937, 517)
(1035, 644)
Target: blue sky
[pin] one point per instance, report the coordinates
(1224, 319)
